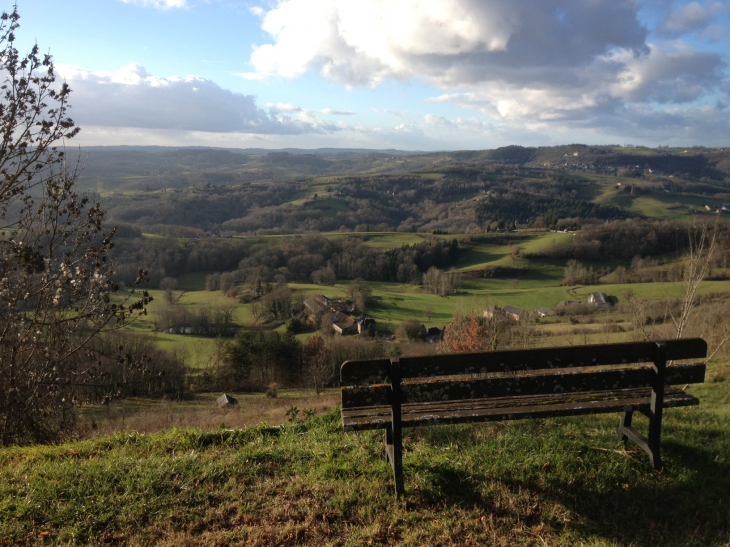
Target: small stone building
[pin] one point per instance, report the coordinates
(226, 401)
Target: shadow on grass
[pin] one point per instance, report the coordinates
(690, 506)
(687, 505)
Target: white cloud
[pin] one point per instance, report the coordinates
(331, 112)
(534, 63)
(280, 108)
(395, 113)
(159, 3)
(130, 97)
(448, 43)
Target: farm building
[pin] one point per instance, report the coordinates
(433, 335)
(598, 298)
(514, 312)
(226, 401)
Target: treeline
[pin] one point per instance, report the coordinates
(122, 365)
(625, 240)
(524, 207)
(310, 257)
(255, 360)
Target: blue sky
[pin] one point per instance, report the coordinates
(407, 74)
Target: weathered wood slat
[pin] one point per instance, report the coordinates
(376, 371)
(505, 402)
(416, 415)
(544, 383)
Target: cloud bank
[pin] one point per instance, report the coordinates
(535, 63)
(130, 97)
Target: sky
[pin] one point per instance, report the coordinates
(404, 74)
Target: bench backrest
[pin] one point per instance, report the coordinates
(539, 371)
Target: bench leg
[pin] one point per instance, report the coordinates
(655, 430)
(394, 456)
(624, 423)
(388, 444)
(651, 445)
(394, 434)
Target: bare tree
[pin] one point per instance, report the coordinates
(168, 286)
(638, 315)
(317, 357)
(56, 286)
(514, 254)
(360, 292)
(697, 262)
(428, 312)
(702, 246)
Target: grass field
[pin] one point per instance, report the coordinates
(539, 482)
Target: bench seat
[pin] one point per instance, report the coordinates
(507, 408)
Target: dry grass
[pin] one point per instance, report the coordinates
(201, 412)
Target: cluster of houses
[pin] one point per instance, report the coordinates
(724, 208)
(341, 312)
(599, 299)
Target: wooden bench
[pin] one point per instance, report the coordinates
(392, 394)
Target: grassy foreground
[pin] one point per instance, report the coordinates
(542, 482)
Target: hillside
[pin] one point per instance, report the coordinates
(556, 482)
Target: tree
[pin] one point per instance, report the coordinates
(412, 330)
(56, 282)
(702, 246)
(227, 282)
(514, 254)
(278, 303)
(442, 283)
(168, 286)
(468, 332)
(428, 312)
(213, 282)
(324, 276)
(317, 363)
(360, 293)
(260, 358)
(697, 262)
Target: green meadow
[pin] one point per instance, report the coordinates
(537, 283)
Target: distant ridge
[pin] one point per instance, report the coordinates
(254, 151)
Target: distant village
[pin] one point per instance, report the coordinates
(597, 300)
(341, 311)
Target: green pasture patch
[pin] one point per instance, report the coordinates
(329, 206)
(192, 281)
(478, 255)
(339, 290)
(392, 240)
(431, 176)
(392, 308)
(656, 204)
(542, 242)
(475, 256)
(198, 352)
(501, 292)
